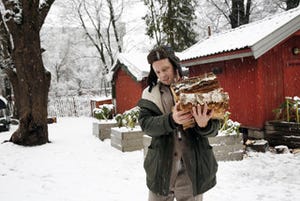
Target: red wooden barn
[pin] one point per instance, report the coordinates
(129, 80)
(258, 64)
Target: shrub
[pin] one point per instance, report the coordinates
(104, 112)
(289, 110)
(128, 118)
(120, 120)
(228, 126)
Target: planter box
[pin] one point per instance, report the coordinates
(102, 129)
(283, 133)
(125, 139)
(227, 148)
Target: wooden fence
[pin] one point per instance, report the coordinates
(69, 106)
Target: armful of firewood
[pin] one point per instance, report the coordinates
(200, 90)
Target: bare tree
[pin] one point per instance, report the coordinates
(20, 26)
(99, 21)
(60, 64)
(236, 12)
(113, 20)
(153, 20)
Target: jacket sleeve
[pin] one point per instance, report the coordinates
(210, 130)
(152, 121)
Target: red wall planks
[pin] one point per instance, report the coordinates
(128, 91)
(257, 86)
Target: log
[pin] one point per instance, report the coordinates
(283, 133)
(203, 89)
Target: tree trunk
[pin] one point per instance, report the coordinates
(169, 25)
(238, 14)
(31, 84)
(21, 59)
(290, 4)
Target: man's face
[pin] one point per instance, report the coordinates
(164, 71)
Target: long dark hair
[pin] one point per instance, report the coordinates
(158, 53)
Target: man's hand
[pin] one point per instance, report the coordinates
(201, 116)
(181, 117)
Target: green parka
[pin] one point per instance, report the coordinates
(201, 165)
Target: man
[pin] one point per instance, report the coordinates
(180, 163)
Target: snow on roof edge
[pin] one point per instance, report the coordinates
(136, 64)
(244, 35)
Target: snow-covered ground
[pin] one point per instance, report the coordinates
(77, 166)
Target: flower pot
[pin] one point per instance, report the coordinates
(127, 139)
(227, 147)
(102, 128)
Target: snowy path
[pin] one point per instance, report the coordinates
(78, 167)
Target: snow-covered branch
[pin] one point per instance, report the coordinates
(5, 45)
(11, 13)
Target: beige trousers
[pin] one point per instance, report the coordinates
(181, 190)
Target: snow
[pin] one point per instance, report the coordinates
(3, 100)
(100, 98)
(135, 39)
(77, 166)
(126, 129)
(136, 63)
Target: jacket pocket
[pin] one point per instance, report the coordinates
(151, 164)
(208, 163)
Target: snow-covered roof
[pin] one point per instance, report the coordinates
(259, 36)
(136, 64)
